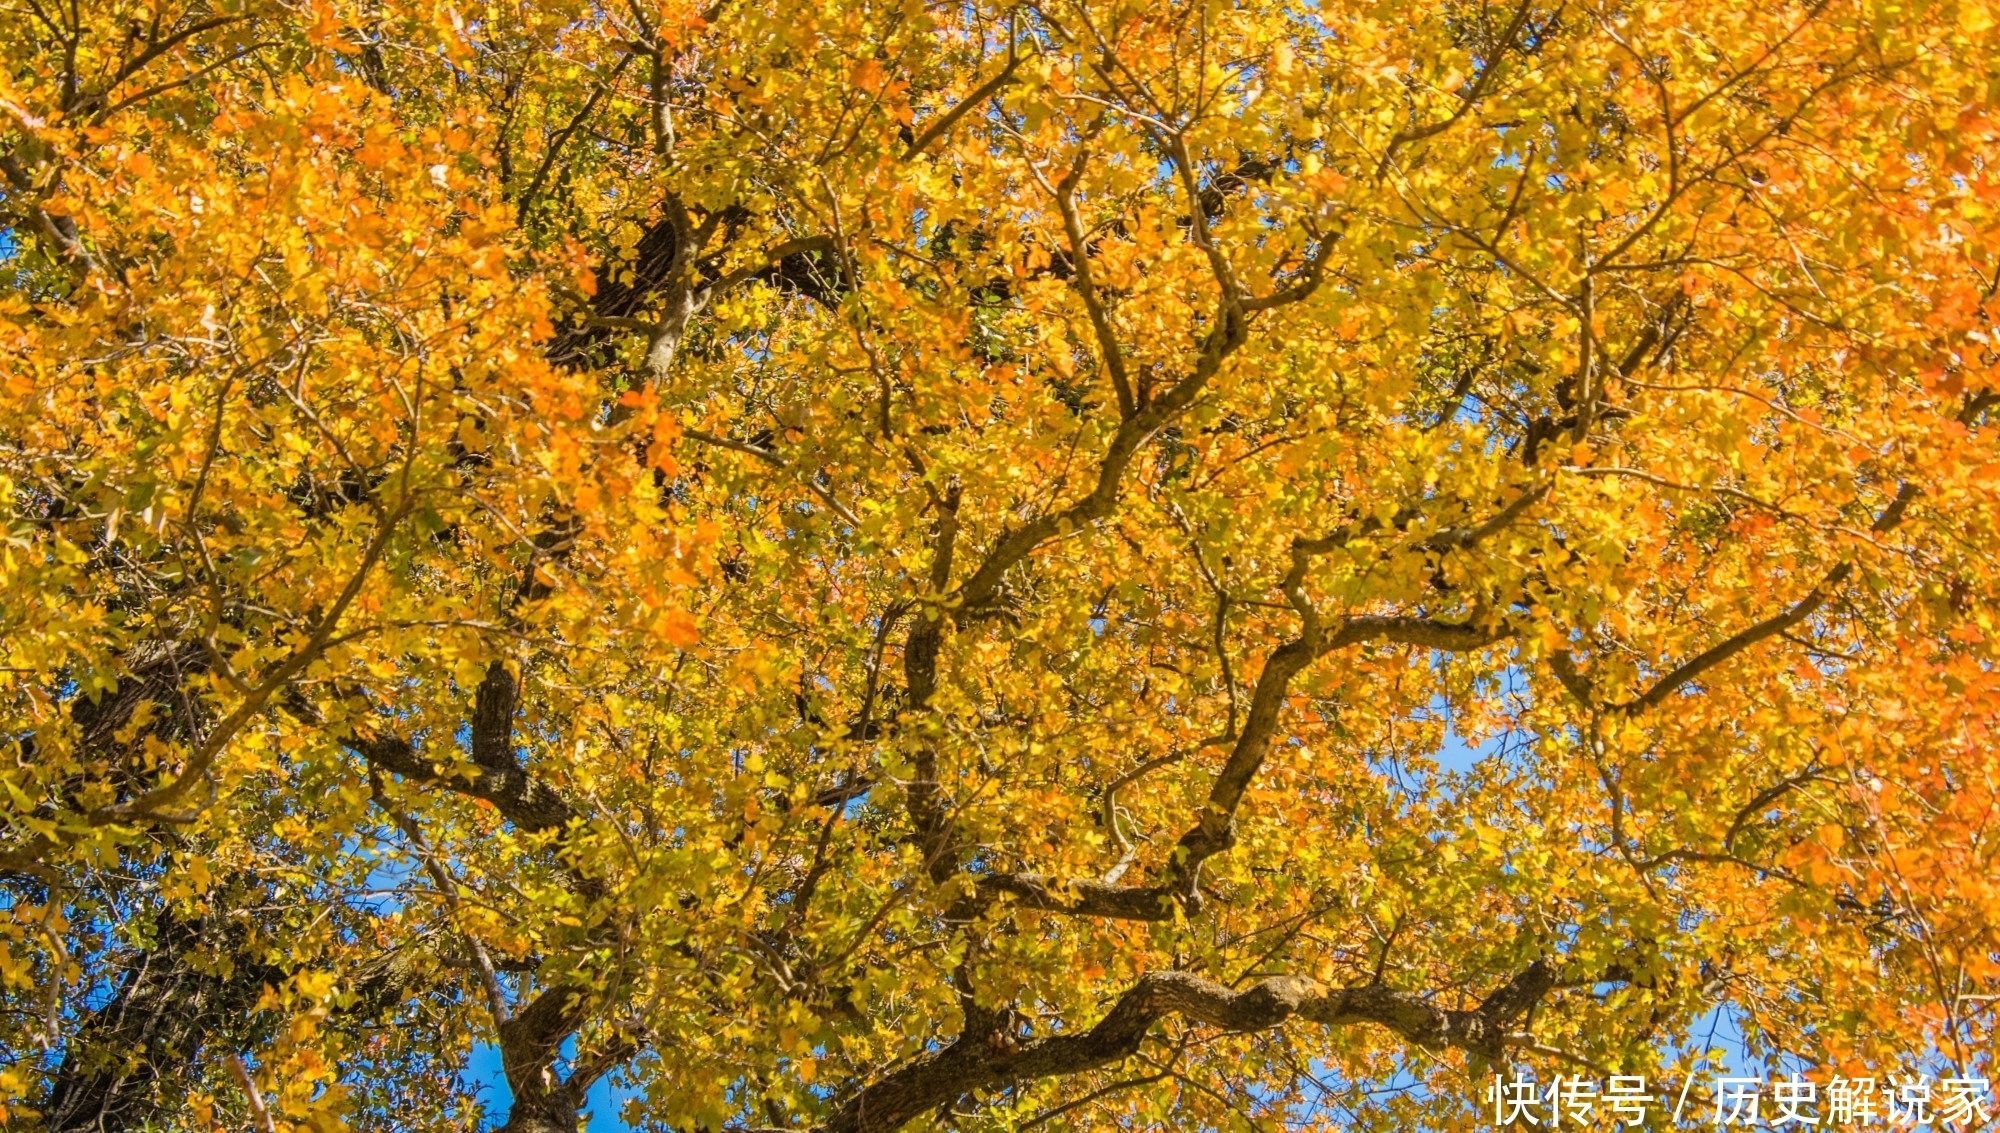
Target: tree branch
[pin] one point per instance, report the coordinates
(522, 799)
(942, 124)
(1486, 1032)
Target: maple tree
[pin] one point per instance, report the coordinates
(852, 566)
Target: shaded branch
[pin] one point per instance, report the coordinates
(942, 124)
(521, 798)
(1214, 829)
(1486, 1032)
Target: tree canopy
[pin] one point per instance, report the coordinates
(853, 565)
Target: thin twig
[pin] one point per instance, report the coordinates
(260, 1116)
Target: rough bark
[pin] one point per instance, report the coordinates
(525, 800)
(989, 1061)
(119, 1069)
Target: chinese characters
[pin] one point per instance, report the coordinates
(1793, 1102)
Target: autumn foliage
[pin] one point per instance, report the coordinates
(862, 565)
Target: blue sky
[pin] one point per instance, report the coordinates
(482, 1071)
(1717, 1030)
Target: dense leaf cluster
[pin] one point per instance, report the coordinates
(874, 565)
